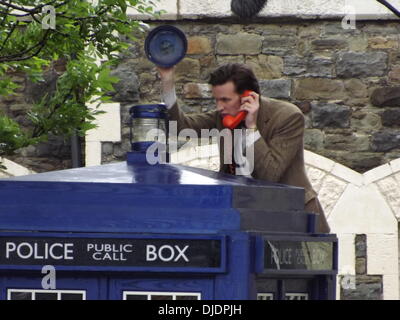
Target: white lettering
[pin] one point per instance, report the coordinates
(151, 254)
(20, 247)
(181, 253)
(52, 255)
(95, 255)
(163, 258)
(10, 247)
(68, 249)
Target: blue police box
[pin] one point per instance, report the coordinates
(134, 231)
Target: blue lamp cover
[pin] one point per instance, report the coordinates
(165, 46)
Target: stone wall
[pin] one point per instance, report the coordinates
(346, 82)
(46, 156)
(363, 286)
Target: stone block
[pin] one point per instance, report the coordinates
(356, 64)
(378, 29)
(356, 88)
(187, 69)
(335, 28)
(278, 30)
(320, 67)
(390, 188)
(394, 74)
(107, 148)
(309, 67)
(313, 139)
(318, 88)
(367, 288)
(361, 266)
(197, 91)
(391, 117)
(127, 89)
(276, 88)
(294, 65)
(345, 142)
(383, 43)
(266, 67)
(316, 177)
(384, 141)
(331, 190)
(241, 43)
(358, 43)
(366, 121)
(230, 59)
(309, 31)
(279, 45)
(199, 45)
(361, 246)
(330, 115)
(329, 44)
(386, 97)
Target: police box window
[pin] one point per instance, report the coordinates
(265, 296)
(151, 295)
(30, 294)
(296, 296)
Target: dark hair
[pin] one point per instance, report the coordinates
(240, 74)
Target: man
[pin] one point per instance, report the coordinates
(278, 128)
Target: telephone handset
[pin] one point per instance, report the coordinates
(232, 122)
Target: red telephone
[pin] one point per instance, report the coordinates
(232, 122)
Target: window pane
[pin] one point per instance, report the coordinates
(71, 296)
(45, 296)
(136, 297)
(21, 296)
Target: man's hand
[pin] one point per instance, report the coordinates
(251, 104)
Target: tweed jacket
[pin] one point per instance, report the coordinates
(278, 154)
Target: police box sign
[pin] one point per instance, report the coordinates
(298, 255)
(111, 252)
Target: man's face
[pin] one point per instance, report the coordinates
(227, 99)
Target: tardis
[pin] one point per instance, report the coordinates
(135, 231)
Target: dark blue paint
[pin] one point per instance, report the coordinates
(134, 199)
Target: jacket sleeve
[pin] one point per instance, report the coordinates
(207, 120)
(273, 157)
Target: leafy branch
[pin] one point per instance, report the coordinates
(84, 33)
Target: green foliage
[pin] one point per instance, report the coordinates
(84, 33)
(11, 136)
